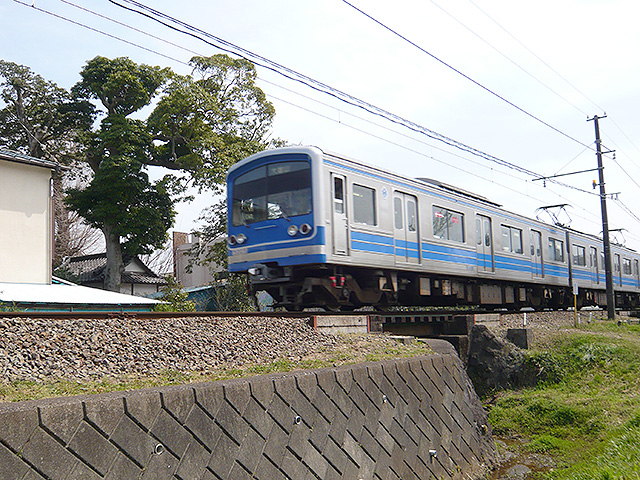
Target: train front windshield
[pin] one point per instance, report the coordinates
(275, 190)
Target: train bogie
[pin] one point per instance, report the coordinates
(318, 230)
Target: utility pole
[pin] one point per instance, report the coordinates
(611, 299)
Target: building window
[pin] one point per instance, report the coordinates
(579, 256)
(511, 239)
(448, 225)
(556, 250)
(364, 205)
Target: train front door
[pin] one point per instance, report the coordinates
(405, 220)
(340, 221)
(484, 244)
(537, 268)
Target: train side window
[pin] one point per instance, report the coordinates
(478, 231)
(556, 250)
(448, 224)
(506, 238)
(617, 263)
(636, 272)
(338, 194)
(364, 205)
(412, 215)
(626, 266)
(516, 240)
(511, 239)
(397, 213)
(579, 256)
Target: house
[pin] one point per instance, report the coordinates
(26, 246)
(137, 278)
(26, 218)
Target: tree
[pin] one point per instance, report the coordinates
(199, 126)
(43, 120)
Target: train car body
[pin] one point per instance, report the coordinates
(315, 229)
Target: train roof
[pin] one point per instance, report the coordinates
(459, 191)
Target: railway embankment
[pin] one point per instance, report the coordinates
(411, 417)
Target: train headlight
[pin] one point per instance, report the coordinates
(292, 230)
(241, 238)
(232, 240)
(305, 229)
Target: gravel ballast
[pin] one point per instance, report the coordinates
(41, 348)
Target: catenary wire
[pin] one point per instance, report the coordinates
(319, 86)
(475, 82)
(504, 55)
(139, 46)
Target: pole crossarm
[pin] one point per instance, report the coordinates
(565, 174)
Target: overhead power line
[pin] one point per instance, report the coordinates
(504, 55)
(291, 74)
(378, 125)
(475, 82)
(535, 55)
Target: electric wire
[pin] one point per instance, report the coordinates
(535, 55)
(585, 96)
(185, 63)
(497, 50)
(435, 159)
(475, 82)
(293, 75)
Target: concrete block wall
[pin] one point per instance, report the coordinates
(406, 419)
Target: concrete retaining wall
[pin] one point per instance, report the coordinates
(404, 419)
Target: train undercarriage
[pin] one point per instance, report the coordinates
(346, 289)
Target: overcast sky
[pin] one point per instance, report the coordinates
(529, 74)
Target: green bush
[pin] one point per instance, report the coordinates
(174, 298)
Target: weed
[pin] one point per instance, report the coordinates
(584, 409)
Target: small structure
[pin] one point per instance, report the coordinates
(63, 296)
(26, 218)
(137, 278)
(26, 246)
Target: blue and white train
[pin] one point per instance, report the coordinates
(315, 229)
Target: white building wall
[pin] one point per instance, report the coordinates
(199, 275)
(25, 223)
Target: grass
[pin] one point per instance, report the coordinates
(351, 351)
(585, 412)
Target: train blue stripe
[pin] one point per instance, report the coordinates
(283, 261)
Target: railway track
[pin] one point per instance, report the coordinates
(410, 316)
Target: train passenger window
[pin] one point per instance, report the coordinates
(506, 238)
(616, 263)
(636, 272)
(338, 195)
(364, 205)
(448, 225)
(626, 266)
(516, 240)
(478, 231)
(511, 239)
(412, 215)
(397, 213)
(556, 250)
(579, 256)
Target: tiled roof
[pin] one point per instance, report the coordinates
(90, 268)
(11, 156)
